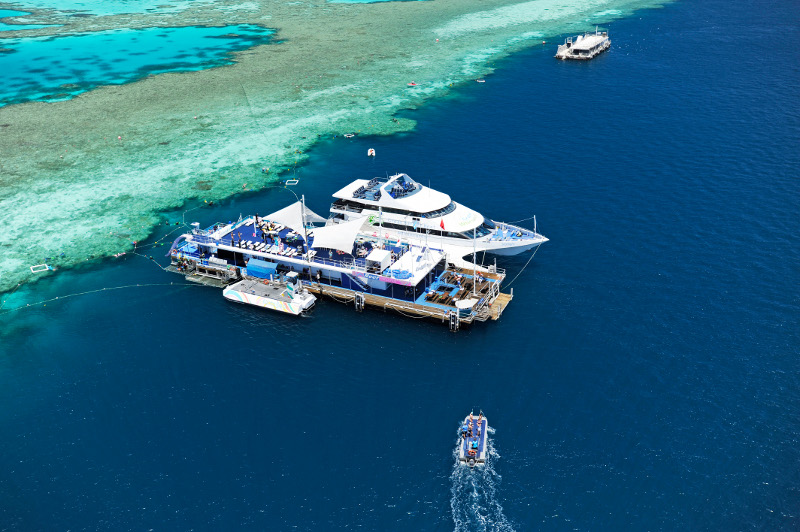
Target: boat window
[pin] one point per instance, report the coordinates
(440, 212)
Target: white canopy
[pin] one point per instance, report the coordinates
(292, 216)
(378, 255)
(338, 236)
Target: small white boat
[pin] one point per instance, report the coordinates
(472, 442)
(288, 296)
(584, 47)
(371, 152)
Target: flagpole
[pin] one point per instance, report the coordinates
(303, 217)
(474, 264)
(441, 225)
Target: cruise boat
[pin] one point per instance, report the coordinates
(399, 208)
(472, 448)
(584, 47)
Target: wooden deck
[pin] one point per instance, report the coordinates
(500, 304)
(489, 275)
(344, 295)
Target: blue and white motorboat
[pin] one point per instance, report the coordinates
(472, 447)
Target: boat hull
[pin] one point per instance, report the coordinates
(511, 251)
(295, 307)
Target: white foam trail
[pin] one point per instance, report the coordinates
(473, 494)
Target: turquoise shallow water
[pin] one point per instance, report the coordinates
(645, 377)
(10, 27)
(110, 7)
(369, 1)
(53, 68)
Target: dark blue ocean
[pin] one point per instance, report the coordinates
(646, 375)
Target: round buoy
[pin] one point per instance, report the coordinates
(119, 137)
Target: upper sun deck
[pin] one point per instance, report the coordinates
(396, 192)
(589, 41)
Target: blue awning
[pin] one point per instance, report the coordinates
(261, 268)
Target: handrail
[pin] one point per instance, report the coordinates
(346, 208)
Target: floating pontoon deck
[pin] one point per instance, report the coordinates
(341, 262)
(584, 47)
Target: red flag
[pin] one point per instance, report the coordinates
(441, 224)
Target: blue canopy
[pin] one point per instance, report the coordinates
(261, 268)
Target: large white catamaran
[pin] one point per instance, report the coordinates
(397, 207)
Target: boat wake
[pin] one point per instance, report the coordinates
(474, 501)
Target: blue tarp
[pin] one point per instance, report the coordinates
(261, 268)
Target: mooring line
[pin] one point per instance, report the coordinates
(523, 268)
(87, 292)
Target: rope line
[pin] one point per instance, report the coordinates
(523, 220)
(87, 292)
(523, 268)
(409, 315)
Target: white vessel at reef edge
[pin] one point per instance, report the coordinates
(398, 208)
(584, 47)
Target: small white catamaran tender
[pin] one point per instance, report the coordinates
(287, 295)
(472, 445)
(584, 47)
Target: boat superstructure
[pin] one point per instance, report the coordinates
(397, 207)
(584, 47)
